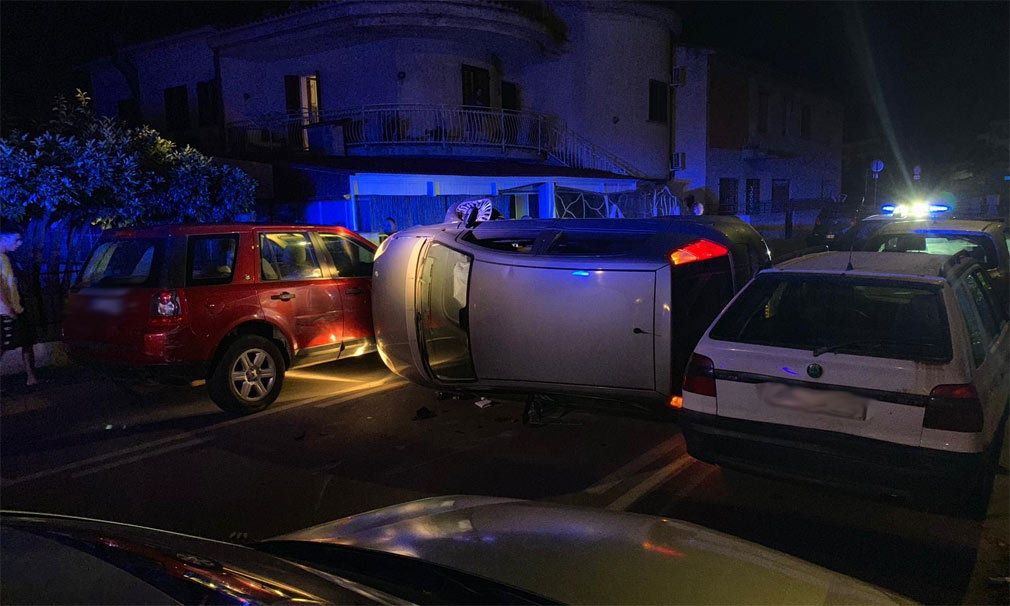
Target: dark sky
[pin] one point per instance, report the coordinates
(943, 68)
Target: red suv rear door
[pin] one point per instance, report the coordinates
(297, 293)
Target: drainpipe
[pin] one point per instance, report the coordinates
(219, 93)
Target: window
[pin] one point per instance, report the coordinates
(510, 96)
(122, 263)
(978, 246)
(476, 86)
(519, 242)
(658, 104)
(129, 112)
(288, 256)
(762, 122)
(992, 320)
(176, 108)
(594, 243)
(211, 259)
(351, 259)
(787, 113)
(866, 316)
(207, 103)
(780, 190)
(752, 196)
(728, 195)
(806, 114)
(975, 333)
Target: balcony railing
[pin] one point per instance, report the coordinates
(403, 128)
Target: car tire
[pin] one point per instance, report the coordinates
(248, 376)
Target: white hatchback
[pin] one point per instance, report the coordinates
(888, 372)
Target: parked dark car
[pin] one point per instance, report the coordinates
(234, 304)
(835, 220)
(987, 241)
(440, 550)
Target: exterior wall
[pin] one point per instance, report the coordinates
(108, 88)
(739, 149)
(176, 62)
(600, 87)
(691, 102)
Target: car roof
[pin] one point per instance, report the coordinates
(918, 266)
(950, 225)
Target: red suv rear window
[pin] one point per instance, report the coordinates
(123, 262)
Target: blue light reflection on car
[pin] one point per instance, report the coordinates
(790, 371)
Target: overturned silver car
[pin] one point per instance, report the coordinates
(597, 311)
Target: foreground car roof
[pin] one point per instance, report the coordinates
(581, 556)
(951, 225)
(902, 265)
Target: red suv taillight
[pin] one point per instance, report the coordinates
(700, 376)
(698, 250)
(953, 408)
(167, 307)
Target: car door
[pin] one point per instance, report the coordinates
(219, 286)
(298, 294)
(352, 266)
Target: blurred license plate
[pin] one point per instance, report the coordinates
(831, 236)
(816, 401)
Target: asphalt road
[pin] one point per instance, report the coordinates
(348, 436)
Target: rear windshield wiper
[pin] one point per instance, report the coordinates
(877, 342)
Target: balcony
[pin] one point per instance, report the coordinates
(424, 130)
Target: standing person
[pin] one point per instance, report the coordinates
(388, 228)
(13, 323)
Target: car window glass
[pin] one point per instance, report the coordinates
(121, 263)
(288, 256)
(350, 258)
(521, 242)
(212, 259)
(858, 316)
(988, 316)
(975, 333)
(594, 243)
(977, 246)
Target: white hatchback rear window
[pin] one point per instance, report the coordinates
(863, 316)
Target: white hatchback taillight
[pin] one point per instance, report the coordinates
(954, 408)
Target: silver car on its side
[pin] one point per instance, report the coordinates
(598, 311)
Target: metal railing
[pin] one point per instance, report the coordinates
(499, 131)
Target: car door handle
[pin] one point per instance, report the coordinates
(284, 296)
(639, 331)
(354, 291)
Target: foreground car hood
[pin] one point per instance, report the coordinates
(585, 556)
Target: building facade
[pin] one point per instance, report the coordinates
(375, 108)
(748, 139)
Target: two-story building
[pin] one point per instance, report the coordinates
(749, 139)
(369, 109)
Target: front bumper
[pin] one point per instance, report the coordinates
(824, 457)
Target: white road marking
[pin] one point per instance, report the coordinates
(380, 386)
(643, 461)
(647, 485)
(141, 457)
(686, 489)
(373, 387)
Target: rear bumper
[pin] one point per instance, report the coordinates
(824, 457)
(133, 362)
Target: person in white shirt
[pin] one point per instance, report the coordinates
(13, 330)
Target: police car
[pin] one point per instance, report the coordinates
(879, 371)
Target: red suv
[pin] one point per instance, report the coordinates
(234, 304)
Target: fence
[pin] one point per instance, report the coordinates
(499, 131)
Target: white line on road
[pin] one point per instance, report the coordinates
(645, 486)
(141, 457)
(367, 389)
(382, 386)
(643, 461)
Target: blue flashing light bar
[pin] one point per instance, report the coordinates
(583, 274)
(887, 209)
(938, 208)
